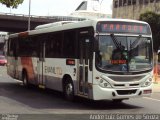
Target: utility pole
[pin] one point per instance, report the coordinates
(29, 16)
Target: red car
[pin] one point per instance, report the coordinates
(3, 60)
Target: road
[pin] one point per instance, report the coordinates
(16, 99)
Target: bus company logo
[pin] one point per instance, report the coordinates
(9, 117)
(54, 70)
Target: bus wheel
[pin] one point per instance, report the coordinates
(25, 79)
(69, 90)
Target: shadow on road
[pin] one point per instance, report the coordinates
(49, 99)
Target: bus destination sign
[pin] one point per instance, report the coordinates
(123, 27)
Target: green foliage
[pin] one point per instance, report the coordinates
(154, 21)
(11, 3)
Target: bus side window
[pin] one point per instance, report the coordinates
(12, 47)
(54, 45)
(33, 47)
(69, 44)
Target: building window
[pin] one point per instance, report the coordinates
(141, 2)
(146, 1)
(129, 2)
(151, 1)
(124, 2)
(120, 3)
(115, 4)
(134, 2)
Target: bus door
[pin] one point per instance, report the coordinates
(84, 65)
(40, 65)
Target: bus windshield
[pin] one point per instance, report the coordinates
(124, 53)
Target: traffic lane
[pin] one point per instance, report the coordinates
(34, 100)
(148, 105)
(15, 98)
(155, 95)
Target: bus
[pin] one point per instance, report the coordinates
(102, 59)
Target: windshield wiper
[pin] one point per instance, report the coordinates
(136, 42)
(116, 42)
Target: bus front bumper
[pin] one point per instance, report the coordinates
(100, 93)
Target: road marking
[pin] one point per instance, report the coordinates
(152, 99)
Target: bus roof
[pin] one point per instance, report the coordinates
(59, 26)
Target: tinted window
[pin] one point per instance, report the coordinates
(28, 46)
(69, 44)
(54, 45)
(12, 47)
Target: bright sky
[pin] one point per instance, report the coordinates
(52, 7)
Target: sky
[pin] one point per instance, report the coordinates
(52, 7)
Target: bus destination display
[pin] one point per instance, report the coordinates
(123, 27)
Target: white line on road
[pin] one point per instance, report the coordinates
(152, 99)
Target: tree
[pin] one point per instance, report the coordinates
(154, 21)
(11, 3)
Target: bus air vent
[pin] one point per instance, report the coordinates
(126, 78)
(126, 92)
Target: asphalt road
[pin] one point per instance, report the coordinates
(31, 102)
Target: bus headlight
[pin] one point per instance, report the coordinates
(103, 83)
(148, 82)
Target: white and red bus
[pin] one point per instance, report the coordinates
(103, 59)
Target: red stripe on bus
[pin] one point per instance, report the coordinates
(28, 65)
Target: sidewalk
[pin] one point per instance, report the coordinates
(156, 84)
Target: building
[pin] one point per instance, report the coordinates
(2, 41)
(90, 9)
(131, 9)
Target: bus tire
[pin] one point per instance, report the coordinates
(25, 79)
(68, 90)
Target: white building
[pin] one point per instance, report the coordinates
(90, 9)
(2, 36)
(2, 42)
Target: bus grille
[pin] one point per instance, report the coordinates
(126, 92)
(126, 79)
(123, 85)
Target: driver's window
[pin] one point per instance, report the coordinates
(106, 48)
